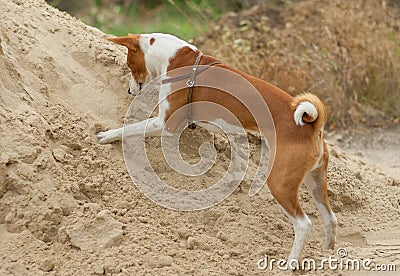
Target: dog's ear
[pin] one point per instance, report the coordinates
(130, 41)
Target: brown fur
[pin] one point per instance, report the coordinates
(135, 58)
(298, 148)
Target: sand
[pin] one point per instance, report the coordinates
(69, 207)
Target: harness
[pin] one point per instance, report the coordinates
(191, 83)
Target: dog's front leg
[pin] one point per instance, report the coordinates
(110, 136)
(149, 127)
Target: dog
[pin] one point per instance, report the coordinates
(301, 152)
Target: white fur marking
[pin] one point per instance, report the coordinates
(163, 104)
(328, 217)
(220, 126)
(149, 127)
(304, 107)
(302, 226)
(158, 54)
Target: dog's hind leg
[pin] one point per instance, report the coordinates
(316, 182)
(284, 186)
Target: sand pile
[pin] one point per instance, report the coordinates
(68, 205)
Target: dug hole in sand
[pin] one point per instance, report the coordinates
(69, 207)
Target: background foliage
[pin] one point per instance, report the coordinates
(185, 19)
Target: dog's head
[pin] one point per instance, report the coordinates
(135, 61)
(149, 56)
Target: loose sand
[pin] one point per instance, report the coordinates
(69, 207)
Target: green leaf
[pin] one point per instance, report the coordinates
(390, 35)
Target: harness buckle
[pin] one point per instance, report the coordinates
(190, 83)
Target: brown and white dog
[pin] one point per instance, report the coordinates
(301, 152)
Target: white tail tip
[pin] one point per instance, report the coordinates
(305, 107)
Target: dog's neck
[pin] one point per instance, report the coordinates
(159, 49)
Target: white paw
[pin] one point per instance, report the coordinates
(109, 136)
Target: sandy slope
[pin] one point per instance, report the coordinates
(69, 207)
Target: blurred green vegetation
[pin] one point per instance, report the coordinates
(185, 19)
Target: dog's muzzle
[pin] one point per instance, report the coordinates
(140, 89)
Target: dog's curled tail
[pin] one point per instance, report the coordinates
(308, 109)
